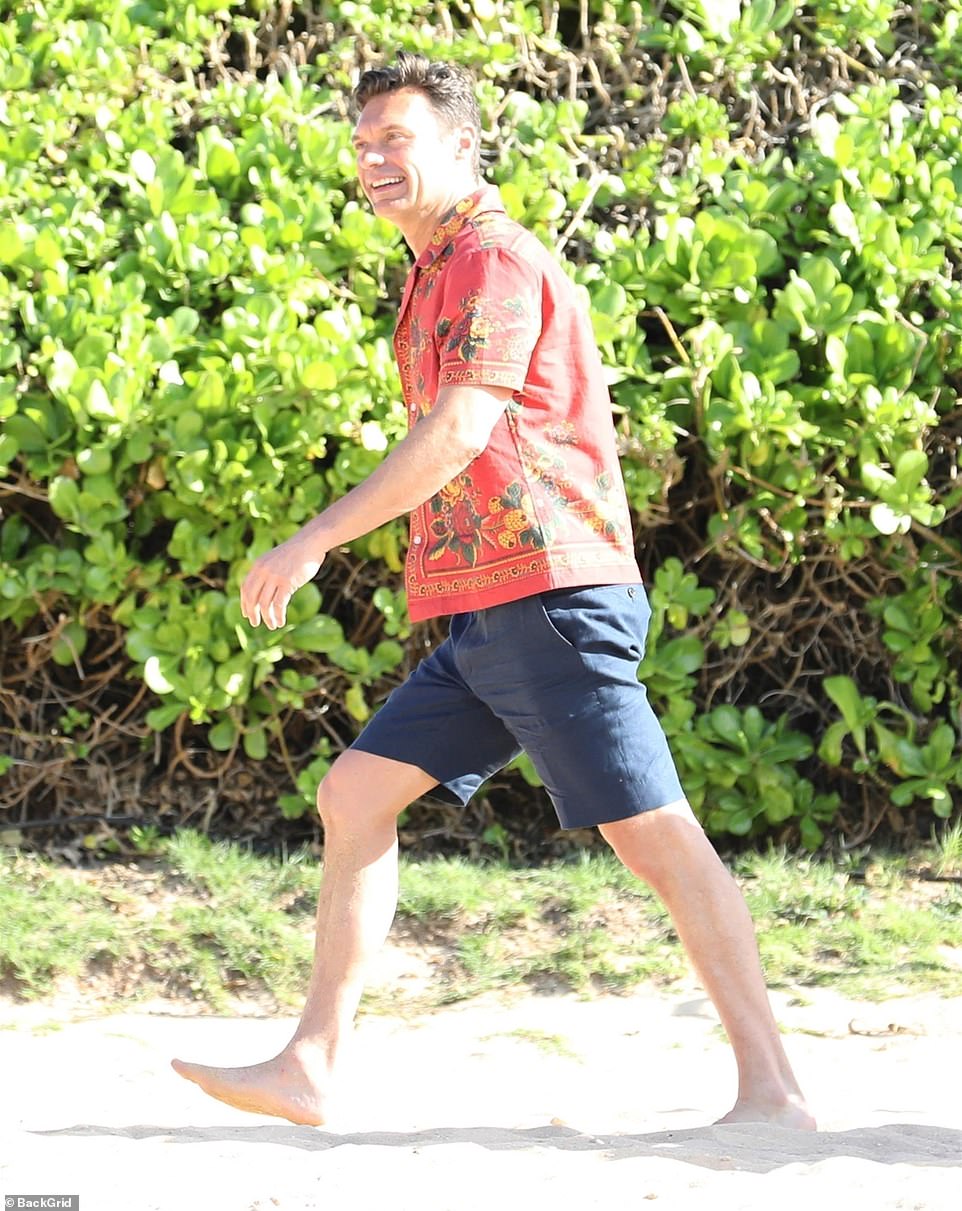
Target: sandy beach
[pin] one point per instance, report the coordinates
(572, 1103)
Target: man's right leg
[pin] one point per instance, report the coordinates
(359, 802)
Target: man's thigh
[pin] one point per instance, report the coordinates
(363, 784)
(435, 722)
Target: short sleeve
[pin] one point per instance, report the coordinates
(489, 321)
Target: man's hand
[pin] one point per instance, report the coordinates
(274, 579)
(439, 447)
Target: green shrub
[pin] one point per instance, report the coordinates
(196, 310)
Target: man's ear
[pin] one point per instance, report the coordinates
(466, 139)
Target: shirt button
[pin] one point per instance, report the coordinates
(417, 539)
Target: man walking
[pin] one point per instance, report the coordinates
(520, 532)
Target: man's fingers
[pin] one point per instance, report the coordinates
(274, 612)
(265, 597)
(249, 594)
(273, 605)
(252, 613)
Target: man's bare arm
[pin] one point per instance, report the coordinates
(437, 448)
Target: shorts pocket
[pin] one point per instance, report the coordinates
(602, 620)
(552, 612)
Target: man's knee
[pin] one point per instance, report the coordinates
(656, 842)
(335, 794)
(360, 789)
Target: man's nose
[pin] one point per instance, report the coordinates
(371, 157)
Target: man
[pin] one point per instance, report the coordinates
(520, 532)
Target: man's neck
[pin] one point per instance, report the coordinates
(419, 234)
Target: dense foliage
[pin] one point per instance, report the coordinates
(762, 204)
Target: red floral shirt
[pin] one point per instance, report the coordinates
(544, 506)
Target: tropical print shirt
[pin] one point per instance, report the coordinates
(544, 505)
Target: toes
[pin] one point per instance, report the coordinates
(190, 1071)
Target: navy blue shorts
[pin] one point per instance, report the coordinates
(556, 675)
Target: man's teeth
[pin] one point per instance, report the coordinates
(389, 181)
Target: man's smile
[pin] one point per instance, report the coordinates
(384, 185)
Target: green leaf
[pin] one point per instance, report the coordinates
(98, 401)
(887, 521)
(779, 805)
(844, 693)
(836, 353)
(942, 745)
(320, 634)
(356, 704)
(680, 656)
(319, 376)
(740, 823)
(611, 300)
(292, 806)
(69, 645)
(156, 673)
(222, 735)
(812, 836)
(161, 717)
(233, 676)
(791, 748)
(903, 794)
(304, 604)
(142, 166)
(94, 461)
(910, 468)
(822, 275)
(727, 722)
(216, 156)
(843, 220)
(12, 246)
(255, 743)
(64, 496)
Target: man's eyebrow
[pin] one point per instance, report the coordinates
(356, 138)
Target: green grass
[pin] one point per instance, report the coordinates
(212, 921)
(574, 924)
(948, 850)
(881, 932)
(51, 925)
(217, 921)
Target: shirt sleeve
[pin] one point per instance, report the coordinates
(490, 320)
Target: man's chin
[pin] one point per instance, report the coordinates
(390, 209)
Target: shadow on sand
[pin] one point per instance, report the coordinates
(748, 1147)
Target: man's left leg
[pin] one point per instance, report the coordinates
(669, 850)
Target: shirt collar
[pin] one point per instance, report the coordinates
(485, 199)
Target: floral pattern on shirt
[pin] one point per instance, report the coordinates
(462, 525)
(480, 320)
(544, 505)
(457, 526)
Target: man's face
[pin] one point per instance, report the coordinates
(408, 160)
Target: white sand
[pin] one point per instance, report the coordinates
(547, 1101)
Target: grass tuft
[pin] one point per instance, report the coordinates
(948, 851)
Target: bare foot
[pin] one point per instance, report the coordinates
(288, 1086)
(792, 1113)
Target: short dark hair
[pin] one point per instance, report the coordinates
(448, 87)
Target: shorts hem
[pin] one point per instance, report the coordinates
(638, 811)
